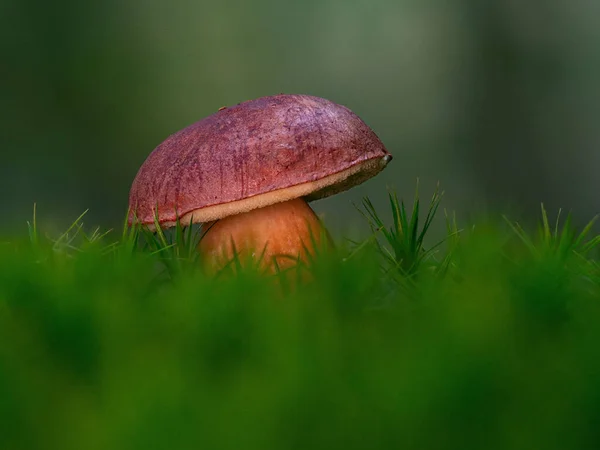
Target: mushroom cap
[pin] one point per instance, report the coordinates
(252, 155)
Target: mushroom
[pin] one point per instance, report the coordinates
(247, 173)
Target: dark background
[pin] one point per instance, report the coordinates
(497, 100)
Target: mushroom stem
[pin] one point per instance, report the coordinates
(277, 235)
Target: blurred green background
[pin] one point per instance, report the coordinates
(498, 100)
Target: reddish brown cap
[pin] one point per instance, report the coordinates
(255, 154)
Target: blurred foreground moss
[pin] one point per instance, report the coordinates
(100, 347)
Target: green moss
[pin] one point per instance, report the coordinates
(488, 340)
